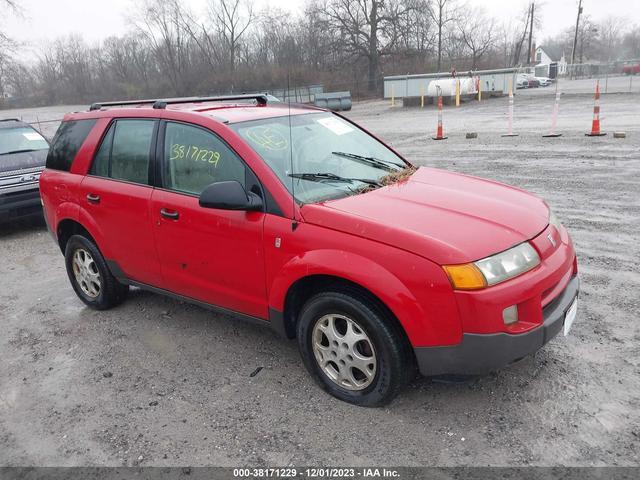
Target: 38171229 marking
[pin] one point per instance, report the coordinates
(265, 472)
(178, 152)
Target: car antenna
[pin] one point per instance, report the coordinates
(294, 224)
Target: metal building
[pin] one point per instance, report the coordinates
(492, 82)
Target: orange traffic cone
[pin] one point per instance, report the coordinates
(595, 125)
(439, 134)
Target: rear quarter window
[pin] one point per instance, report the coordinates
(66, 143)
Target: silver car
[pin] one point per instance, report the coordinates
(23, 152)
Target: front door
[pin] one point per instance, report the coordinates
(214, 256)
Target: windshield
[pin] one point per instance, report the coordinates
(331, 157)
(21, 139)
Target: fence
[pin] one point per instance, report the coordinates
(604, 71)
(303, 94)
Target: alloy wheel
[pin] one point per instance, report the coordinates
(86, 273)
(344, 352)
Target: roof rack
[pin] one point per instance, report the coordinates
(261, 99)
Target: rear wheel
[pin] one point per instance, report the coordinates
(352, 349)
(90, 277)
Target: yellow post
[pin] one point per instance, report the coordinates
(421, 96)
(393, 96)
(479, 90)
(457, 92)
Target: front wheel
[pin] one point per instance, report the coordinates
(353, 349)
(89, 275)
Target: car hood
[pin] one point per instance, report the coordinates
(446, 217)
(21, 161)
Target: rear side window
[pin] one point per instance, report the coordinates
(66, 143)
(125, 151)
(100, 165)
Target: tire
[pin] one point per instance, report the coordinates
(90, 277)
(371, 338)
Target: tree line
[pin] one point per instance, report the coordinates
(231, 47)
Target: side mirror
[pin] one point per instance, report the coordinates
(229, 196)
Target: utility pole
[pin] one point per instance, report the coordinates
(440, 8)
(529, 55)
(575, 39)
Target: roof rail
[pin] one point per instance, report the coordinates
(10, 120)
(261, 99)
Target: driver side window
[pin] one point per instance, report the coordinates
(195, 158)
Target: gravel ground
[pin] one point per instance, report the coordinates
(159, 382)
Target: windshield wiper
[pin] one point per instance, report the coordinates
(19, 151)
(376, 162)
(331, 177)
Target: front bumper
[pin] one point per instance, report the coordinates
(481, 353)
(20, 204)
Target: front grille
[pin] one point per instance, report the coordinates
(22, 171)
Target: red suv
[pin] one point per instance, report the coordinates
(296, 216)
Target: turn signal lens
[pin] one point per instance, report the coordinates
(465, 277)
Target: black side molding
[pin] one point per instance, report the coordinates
(117, 272)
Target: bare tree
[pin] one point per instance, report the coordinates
(231, 19)
(160, 21)
(13, 4)
(417, 36)
(315, 37)
(442, 13)
(7, 48)
(367, 29)
(48, 72)
(476, 31)
(126, 65)
(529, 20)
(610, 33)
(21, 80)
(587, 36)
(631, 43)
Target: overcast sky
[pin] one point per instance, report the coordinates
(97, 19)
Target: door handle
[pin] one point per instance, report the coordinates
(93, 198)
(170, 214)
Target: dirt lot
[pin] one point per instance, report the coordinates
(158, 382)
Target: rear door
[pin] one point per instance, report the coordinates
(214, 256)
(116, 195)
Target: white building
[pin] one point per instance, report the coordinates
(550, 62)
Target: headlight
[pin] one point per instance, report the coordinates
(495, 269)
(553, 220)
(509, 264)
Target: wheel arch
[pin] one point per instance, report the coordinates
(302, 277)
(67, 228)
(306, 287)
(80, 221)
